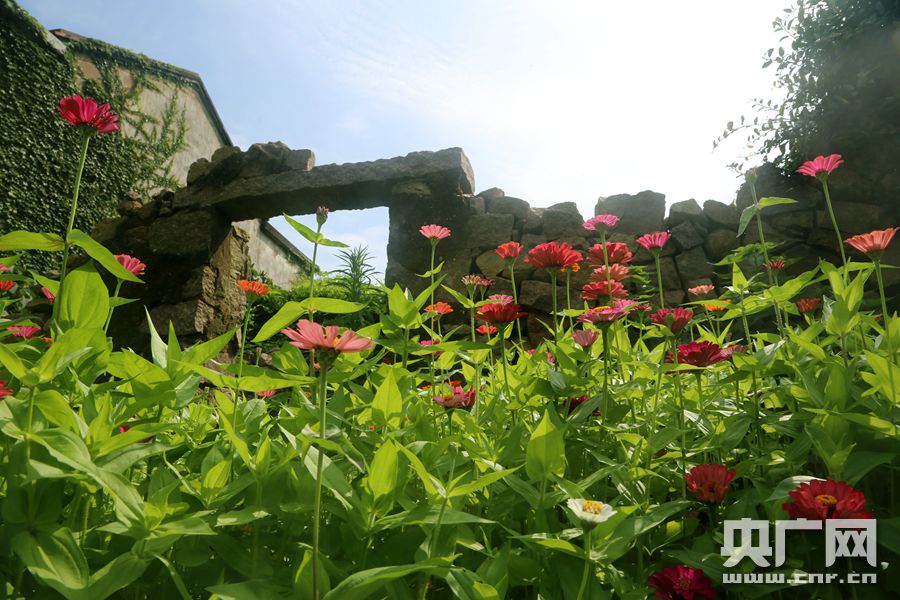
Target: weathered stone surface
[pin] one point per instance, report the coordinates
(492, 193)
(340, 187)
(185, 233)
(415, 188)
(536, 293)
(799, 222)
(490, 264)
(640, 213)
(189, 317)
(686, 236)
(721, 215)
(562, 220)
(202, 283)
(672, 298)
(507, 205)
(107, 230)
(719, 242)
(853, 218)
(670, 278)
(223, 153)
(534, 221)
(693, 264)
(687, 211)
(198, 169)
(488, 230)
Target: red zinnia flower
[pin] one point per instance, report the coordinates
(826, 499)
(805, 305)
(266, 393)
(776, 264)
(86, 112)
(549, 255)
(460, 398)
(131, 264)
(509, 250)
(701, 290)
(675, 319)
(486, 329)
(603, 315)
(617, 253)
(653, 241)
(601, 222)
(312, 336)
(874, 243)
(440, 308)
(681, 583)
(584, 338)
(821, 166)
(23, 331)
(709, 483)
(6, 285)
(435, 232)
(48, 295)
(603, 289)
(4, 391)
(699, 354)
(496, 312)
(616, 272)
(255, 288)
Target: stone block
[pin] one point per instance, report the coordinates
(638, 214)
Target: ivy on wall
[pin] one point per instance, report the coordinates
(38, 150)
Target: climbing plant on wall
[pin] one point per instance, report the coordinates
(36, 169)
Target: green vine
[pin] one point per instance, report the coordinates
(36, 146)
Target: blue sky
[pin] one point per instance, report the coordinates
(552, 101)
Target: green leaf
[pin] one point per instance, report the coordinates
(788, 485)
(103, 256)
(773, 201)
(387, 406)
(331, 305)
(26, 240)
(468, 586)
(56, 410)
(384, 472)
(746, 216)
(55, 560)
(286, 316)
(362, 584)
(12, 362)
(85, 299)
(255, 589)
(69, 347)
(482, 482)
(545, 454)
(313, 236)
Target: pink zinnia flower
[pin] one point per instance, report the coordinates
(821, 166)
(131, 264)
(701, 290)
(617, 253)
(653, 241)
(4, 268)
(509, 250)
(616, 272)
(48, 295)
(500, 298)
(435, 232)
(709, 483)
(459, 398)
(584, 338)
(603, 289)
(681, 583)
(675, 319)
(85, 113)
(631, 305)
(312, 336)
(603, 315)
(874, 243)
(7, 285)
(4, 391)
(472, 281)
(23, 331)
(601, 223)
(828, 499)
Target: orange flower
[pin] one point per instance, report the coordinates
(441, 308)
(255, 288)
(715, 307)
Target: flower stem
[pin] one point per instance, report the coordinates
(515, 294)
(317, 506)
(66, 246)
(765, 251)
(834, 224)
(555, 320)
(111, 308)
(505, 363)
(885, 319)
(662, 302)
(604, 412)
(585, 577)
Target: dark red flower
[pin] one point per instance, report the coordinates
(617, 253)
(806, 305)
(550, 255)
(7, 285)
(509, 250)
(653, 241)
(776, 265)
(826, 499)
(699, 354)
(874, 243)
(496, 312)
(709, 483)
(675, 319)
(604, 290)
(681, 583)
(4, 391)
(87, 113)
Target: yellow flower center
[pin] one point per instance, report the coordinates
(592, 506)
(826, 499)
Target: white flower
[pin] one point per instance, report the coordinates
(590, 511)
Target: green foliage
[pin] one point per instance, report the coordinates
(36, 146)
(838, 85)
